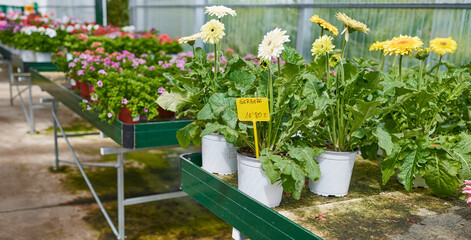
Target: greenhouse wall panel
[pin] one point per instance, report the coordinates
(256, 17)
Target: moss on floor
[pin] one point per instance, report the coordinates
(181, 218)
(145, 172)
(77, 125)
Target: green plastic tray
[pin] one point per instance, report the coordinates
(142, 135)
(250, 217)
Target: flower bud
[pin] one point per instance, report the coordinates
(422, 54)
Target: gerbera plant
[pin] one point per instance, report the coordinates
(190, 93)
(422, 133)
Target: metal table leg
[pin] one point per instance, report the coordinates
(119, 165)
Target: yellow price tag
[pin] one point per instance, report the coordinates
(254, 110)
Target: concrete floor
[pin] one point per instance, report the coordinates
(33, 201)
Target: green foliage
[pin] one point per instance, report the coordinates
(138, 46)
(424, 132)
(354, 98)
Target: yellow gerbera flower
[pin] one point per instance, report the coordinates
(189, 39)
(441, 46)
(378, 46)
(322, 45)
(212, 32)
(402, 45)
(351, 24)
(324, 24)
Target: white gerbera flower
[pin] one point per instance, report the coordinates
(220, 11)
(272, 44)
(189, 38)
(212, 32)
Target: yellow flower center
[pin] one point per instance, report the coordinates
(443, 43)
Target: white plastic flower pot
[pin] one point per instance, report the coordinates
(27, 56)
(336, 172)
(15, 50)
(43, 57)
(219, 156)
(253, 181)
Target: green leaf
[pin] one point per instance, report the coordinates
(440, 175)
(267, 159)
(362, 112)
(410, 167)
(173, 101)
(388, 165)
(289, 167)
(190, 132)
(219, 102)
(205, 113)
(243, 80)
(290, 55)
(461, 151)
(384, 140)
(350, 71)
(369, 151)
(230, 134)
(307, 156)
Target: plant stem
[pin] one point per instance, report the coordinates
(421, 68)
(215, 61)
(270, 100)
(194, 52)
(337, 92)
(334, 134)
(344, 46)
(400, 68)
(342, 104)
(327, 67)
(322, 31)
(381, 61)
(438, 66)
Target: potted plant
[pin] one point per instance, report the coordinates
(190, 95)
(355, 97)
(425, 136)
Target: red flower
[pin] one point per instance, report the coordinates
(59, 53)
(83, 37)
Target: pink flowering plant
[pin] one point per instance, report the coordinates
(116, 90)
(122, 79)
(467, 190)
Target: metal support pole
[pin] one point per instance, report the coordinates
(10, 72)
(304, 30)
(120, 196)
(30, 100)
(199, 20)
(84, 175)
(56, 147)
